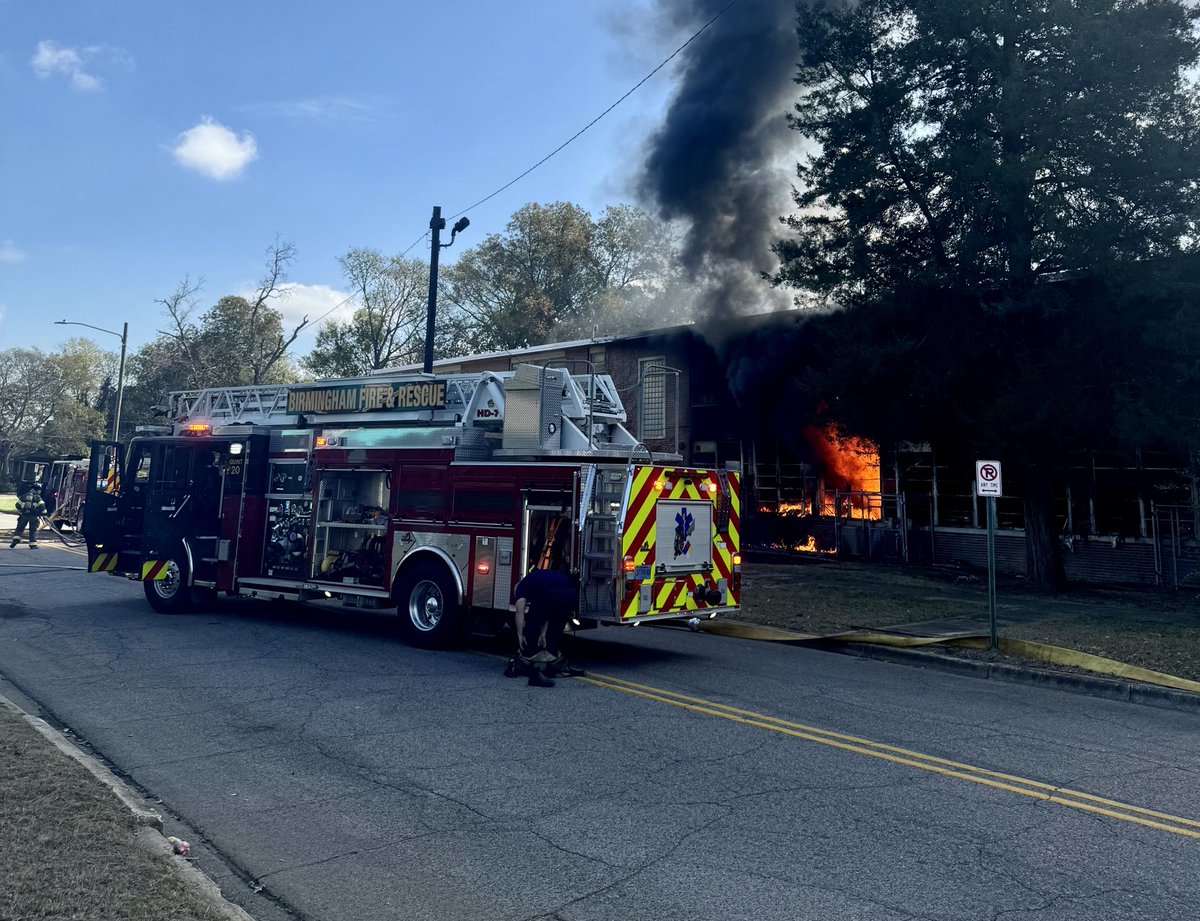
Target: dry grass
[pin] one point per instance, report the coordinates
(1152, 628)
(67, 846)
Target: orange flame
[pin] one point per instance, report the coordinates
(811, 547)
(851, 467)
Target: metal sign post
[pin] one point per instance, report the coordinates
(988, 484)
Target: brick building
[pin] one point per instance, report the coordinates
(1123, 518)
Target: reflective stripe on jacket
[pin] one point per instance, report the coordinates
(31, 504)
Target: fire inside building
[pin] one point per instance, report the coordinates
(1121, 518)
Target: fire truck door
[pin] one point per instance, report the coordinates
(106, 515)
(183, 505)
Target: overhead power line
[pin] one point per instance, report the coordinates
(340, 303)
(667, 60)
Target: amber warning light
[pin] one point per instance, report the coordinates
(197, 428)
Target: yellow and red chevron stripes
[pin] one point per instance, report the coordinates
(154, 570)
(104, 562)
(639, 539)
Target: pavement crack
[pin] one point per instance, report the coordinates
(330, 859)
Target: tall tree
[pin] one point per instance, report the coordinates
(976, 150)
(30, 389)
(267, 340)
(557, 271)
(244, 343)
(53, 403)
(388, 324)
(240, 340)
(982, 146)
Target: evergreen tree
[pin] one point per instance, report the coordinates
(965, 154)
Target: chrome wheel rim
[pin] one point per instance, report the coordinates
(426, 605)
(167, 588)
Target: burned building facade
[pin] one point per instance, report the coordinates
(1122, 517)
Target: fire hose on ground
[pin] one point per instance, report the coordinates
(72, 542)
(1040, 652)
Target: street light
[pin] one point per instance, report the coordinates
(123, 335)
(437, 224)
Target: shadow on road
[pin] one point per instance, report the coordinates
(589, 648)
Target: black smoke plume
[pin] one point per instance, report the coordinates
(719, 161)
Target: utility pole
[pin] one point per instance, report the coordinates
(437, 224)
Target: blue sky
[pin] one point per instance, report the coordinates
(145, 141)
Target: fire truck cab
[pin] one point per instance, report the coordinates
(431, 495)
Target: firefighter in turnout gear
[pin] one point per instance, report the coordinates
(30, 507)
(545, 599)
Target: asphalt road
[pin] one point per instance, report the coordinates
(324, 770)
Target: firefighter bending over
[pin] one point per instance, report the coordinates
(545, 599)
(30, 507)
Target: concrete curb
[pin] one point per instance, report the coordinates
(1110, 688)
(149, 835)
(141, 811)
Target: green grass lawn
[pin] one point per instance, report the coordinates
(8, 504)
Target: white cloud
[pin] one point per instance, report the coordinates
(50, 60)
(213, 150)
(10, 253)
(319, 303)
(326, 109)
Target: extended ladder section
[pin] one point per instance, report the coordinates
(531, 410)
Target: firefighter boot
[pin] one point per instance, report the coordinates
(33, 545)
(13, 545)
(538, 679)
(517, 668)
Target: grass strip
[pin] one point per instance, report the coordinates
(69, 846)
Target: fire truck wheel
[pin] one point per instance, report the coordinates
(428, 608)
(172, 594)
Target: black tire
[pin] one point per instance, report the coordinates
(430, 615)
(171, 595)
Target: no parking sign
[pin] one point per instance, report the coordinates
(987, 478)
(987, 483)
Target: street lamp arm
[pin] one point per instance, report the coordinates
(123, 335)
(99, 329)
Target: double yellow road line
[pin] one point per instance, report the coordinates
(1008, 783)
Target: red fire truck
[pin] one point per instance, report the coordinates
(425, 493)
